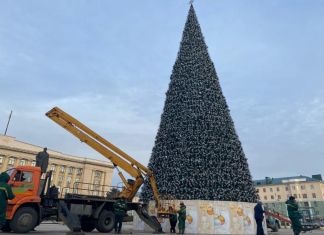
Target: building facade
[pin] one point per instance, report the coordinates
(69, 173)
(308, 191)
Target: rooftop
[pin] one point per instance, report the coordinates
(285, 180)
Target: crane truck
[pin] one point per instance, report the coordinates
(36, 202)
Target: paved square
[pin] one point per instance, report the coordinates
(58, 229)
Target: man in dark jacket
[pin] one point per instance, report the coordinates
(5, 194)
(120, 208)
(258, 216)
(294, 215)
(173, 220)
(42, 160)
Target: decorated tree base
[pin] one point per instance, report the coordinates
(209, 217)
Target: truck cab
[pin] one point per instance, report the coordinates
(23, 212)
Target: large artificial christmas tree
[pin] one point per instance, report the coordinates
(197, 153)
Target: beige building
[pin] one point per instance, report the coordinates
(70, 173)
(308, 191)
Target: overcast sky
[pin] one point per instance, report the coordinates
(108, 63)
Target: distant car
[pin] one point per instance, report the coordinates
(309, 226)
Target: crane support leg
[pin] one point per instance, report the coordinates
(70, 219)
(149, 220)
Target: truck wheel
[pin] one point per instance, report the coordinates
(6, 227)
(87, 224)
(106, 221)
(24, 220)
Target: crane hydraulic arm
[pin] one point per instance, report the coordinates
(111, 152)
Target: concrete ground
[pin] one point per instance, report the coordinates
(58, 229)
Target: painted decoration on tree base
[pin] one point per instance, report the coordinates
(209, 217)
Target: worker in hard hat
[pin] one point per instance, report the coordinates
(120, 209)
(5, 195)
(294, 215)
(182, 218)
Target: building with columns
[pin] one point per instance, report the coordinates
(70, 173)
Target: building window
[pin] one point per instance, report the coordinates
(96, 182)
(270, 189)
(312, 187)
(302, 187)
(22, 162)
(33, 163)
(265, 198)
(279, 197)
(264, 190)
(66, 190)
(293, 187)
(304, 195)
(314, 195)
(53, 167)
(315, 203)
(278, 189)
(287, 188)
(295, 195)
(79, 171)
(68, 181)
(11, 161)
(306, 204)
(1, 160)
(60, 180)
(272, 197)
(98, 174)
(70, 170)
(62, 169)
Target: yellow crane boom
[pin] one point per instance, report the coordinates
(118, 157)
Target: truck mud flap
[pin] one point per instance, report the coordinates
(71, 220)
(151, 221)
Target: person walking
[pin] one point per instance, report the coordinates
(120, 208)
(173, 220)
(5, 195)
(258, 216)
(294, 215)
(42, 160)
(182, 218)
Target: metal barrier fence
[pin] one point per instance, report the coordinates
(91, 189)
